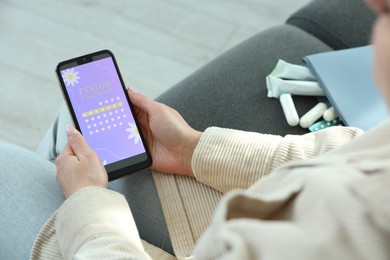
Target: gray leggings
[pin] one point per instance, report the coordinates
(29, 194)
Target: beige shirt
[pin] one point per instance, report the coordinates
(332, 206)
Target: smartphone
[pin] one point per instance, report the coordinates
(101, 110)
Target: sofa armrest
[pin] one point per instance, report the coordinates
(338, 23)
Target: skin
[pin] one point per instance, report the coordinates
(78, 166)
(379, 6)
(381, 42)
(171, 140)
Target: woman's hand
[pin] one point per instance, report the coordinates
(78, 166)
(170, 139)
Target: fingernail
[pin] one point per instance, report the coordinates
(132, 89)
(70, 130)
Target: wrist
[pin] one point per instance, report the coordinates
(189, 150)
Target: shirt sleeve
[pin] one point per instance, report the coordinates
(226, 159)
(96, 223)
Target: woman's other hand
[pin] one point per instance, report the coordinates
(170, 139)
(78, 166)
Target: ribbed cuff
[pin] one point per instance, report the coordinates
(226, 159)
(90, 212)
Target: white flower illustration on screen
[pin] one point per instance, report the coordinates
(133, 133)
(70, 77)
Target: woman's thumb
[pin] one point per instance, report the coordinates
(76, 141)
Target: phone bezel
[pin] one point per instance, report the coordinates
(119, 168)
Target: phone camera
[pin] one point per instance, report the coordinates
(83, 60)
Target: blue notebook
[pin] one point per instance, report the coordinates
(346, 77)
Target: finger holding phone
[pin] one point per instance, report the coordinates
(78, 166)
(170, 139)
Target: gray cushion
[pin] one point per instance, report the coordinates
(231, 92)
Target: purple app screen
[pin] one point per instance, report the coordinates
(101, 109)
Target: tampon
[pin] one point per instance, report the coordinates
(287, 70)
(277, 86)
(289, 109)
(330, 114)
(313, 115)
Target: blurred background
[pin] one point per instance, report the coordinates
(157, 43)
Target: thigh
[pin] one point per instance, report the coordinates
(231, 90)
(29, 195)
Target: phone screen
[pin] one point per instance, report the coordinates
(101, 110)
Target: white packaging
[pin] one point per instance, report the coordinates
(277, 86)
(287, 70)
